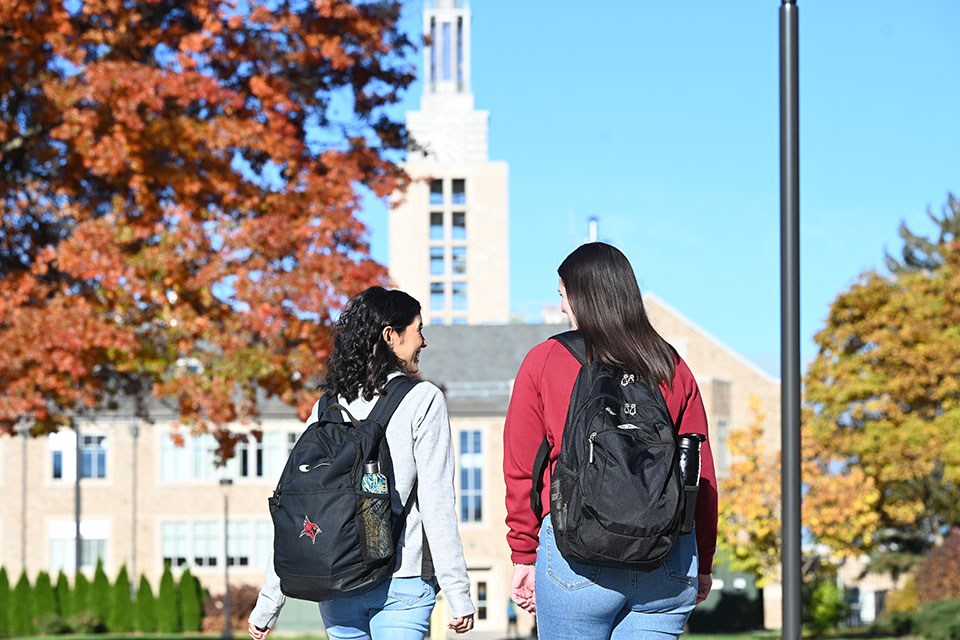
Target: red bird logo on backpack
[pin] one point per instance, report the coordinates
(310, 529)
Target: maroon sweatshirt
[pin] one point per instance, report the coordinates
(538, 407)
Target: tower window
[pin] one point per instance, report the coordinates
(433, 51)
(460, 54)
(459, 296)
(459, 191)
(436, 225)
(459, 225)
(437, 302)
(436, 261)
(445, 52)
(436, 192)
(459, 260)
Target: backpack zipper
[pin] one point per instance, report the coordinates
(594, 434)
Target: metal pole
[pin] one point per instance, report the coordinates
(78, 540)
(227, 630)
(790, 317)
(24, 434)
(135, 434)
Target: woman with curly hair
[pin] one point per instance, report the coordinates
(380, 336)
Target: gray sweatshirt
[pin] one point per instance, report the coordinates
(420, 447)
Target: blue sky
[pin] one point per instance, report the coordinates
(661, 118)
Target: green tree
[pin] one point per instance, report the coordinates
(21, 622)
(121, 606)
(4, 602)
(44, 600)
(921, 253)
(145, 610)
(826, 607)
(63, 595)
(168, 604)
(882, 413)
(191, 601)
(81, 595)
(100, 593)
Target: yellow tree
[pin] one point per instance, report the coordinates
(749, 531)
(883, 410)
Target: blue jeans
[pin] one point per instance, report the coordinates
(586, 602)
(398, 608)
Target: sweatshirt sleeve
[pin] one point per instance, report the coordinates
(270, 600)
(686, 407)
(433, 454)
(523, 431)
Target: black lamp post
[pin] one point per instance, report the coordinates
(790, 317)
(227, 630)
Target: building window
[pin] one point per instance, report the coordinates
(291, 441)
(206, 544)
(721, 457)
(173, 543)
(436, 225)
(436, 320)
(459, 191)
(238, 543)
(471, 476)
(481, 600)
(174, 460)
(436, 192)
(437, 302)
(93, 456)
(436, 261)
(248, 461)
(63, 544)
(460, 54)
(251, 457)
(433, 51)
(459, 320)
(204, 452)
(58, 465)
(445, 51)
(262, 542)
(459, 296)
(459, 230)
(459, 262)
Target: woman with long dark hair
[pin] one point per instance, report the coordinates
(380, 336)
(601, 298)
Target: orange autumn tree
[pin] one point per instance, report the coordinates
(179, 183)
(883, 407)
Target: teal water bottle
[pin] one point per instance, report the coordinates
(373, 481)
(378, 534)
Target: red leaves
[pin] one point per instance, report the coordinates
(166, 225)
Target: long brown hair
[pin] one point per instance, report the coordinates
(605, 299)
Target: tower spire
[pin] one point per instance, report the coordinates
(447, 57)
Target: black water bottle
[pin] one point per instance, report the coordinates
(690, 458)
(690, 474)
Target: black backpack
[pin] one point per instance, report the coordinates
(323, 521)
(616, 496)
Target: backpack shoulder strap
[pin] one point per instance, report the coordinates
(397, 389)
(573, 341)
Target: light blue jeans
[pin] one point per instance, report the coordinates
(399, 608)
(586, 602)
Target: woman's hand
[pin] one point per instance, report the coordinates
(462, 624)
(704, 584)
(257, 633)
(521, 587)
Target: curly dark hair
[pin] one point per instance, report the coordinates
(361, 360)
